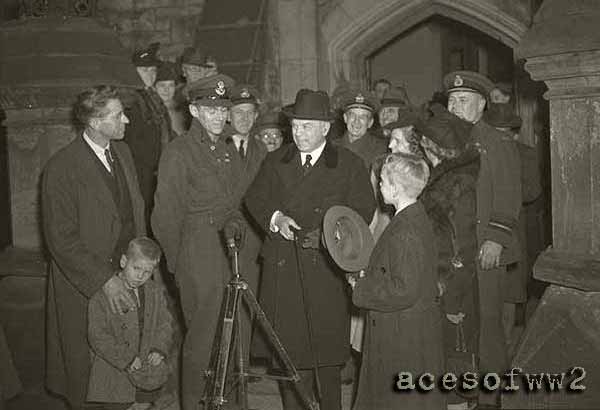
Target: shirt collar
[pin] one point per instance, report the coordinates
(95, 147)
(237, 138)
(314, 154)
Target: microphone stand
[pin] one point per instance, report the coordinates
(214, 397)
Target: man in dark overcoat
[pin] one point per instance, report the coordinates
(91, 209)
(197, 194)
(294, 188)
(498, 205)
(252, 152)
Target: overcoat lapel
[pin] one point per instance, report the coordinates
(126, 163)
(93, 176)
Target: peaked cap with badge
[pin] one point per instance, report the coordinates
(244, 93)
(309, 105)
(360, 99)
(210, 91)
(147, 57)
(470, 81)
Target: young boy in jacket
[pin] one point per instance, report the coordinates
(129, 351)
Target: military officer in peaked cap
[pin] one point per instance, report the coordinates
(243, 113)
(498, 204)
(359, 108)
(197, 194)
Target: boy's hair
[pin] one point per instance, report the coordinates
(145, 247)
(92, 103)
(408, 171)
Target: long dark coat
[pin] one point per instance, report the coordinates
(337, 178)
(81, 227)
(403, 327)
(197, 192)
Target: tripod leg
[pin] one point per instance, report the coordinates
(218, 373)
(255, 309)
(242, 382)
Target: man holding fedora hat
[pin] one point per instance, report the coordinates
(196, 197)
(498, 204)
(294, 188)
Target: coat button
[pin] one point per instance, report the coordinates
(478, 221)
(281, 262)
(123, 326)
(127, 344)
(318, 210)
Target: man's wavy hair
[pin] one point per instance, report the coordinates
(407, 170)
(92, 102)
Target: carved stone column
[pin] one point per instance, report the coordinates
(563, 50)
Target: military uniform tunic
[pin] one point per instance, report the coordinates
(196, 194)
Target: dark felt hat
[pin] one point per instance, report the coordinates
(244, 93)
(395, 97)
(196, 56)
(210, 91)
(445, 129)
(347, 238)
(269, 119)
(502, 116)
(167, 71)
(310, 105)
(468, 81)
(147, 57)
(406, 118)
(359, 99)
(150, 377)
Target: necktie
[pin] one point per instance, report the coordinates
(109, 159)
(242, 151)
(307, 165)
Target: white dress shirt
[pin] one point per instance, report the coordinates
(99, 151)
(314, 157)
(237, 139)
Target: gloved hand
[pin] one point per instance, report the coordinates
(235, 230)
(312, 239)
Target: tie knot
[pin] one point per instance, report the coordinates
(307, 161)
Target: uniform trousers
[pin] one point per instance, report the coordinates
(331, 389)
(493, 355)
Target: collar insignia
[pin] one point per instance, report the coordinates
(458, 81)
(220, 89)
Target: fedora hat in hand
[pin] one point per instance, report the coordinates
(310, 105)
(347, 238)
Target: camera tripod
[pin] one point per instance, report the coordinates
(230, 334)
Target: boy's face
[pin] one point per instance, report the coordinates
(387, 189)
(137, 269)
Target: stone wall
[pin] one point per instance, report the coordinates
(141, 22)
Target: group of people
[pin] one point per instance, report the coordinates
(439, 186)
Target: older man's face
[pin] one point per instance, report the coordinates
(212, 118)
(309, 134)
(466, 105)
(358, 121)
(243, 117)
(387, 115)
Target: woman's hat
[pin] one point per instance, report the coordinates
(167, 71)
(501, 116)
(347, 238)
(310, 105)
(445, 129)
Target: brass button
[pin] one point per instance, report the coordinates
(281, 262)
(212, 148)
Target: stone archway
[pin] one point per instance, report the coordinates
(352, 29)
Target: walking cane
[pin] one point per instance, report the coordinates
(308, 316)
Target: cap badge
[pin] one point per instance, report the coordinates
(458, 81)
(220, 90)
(245, 93)
(359, 99)
(144, 55)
